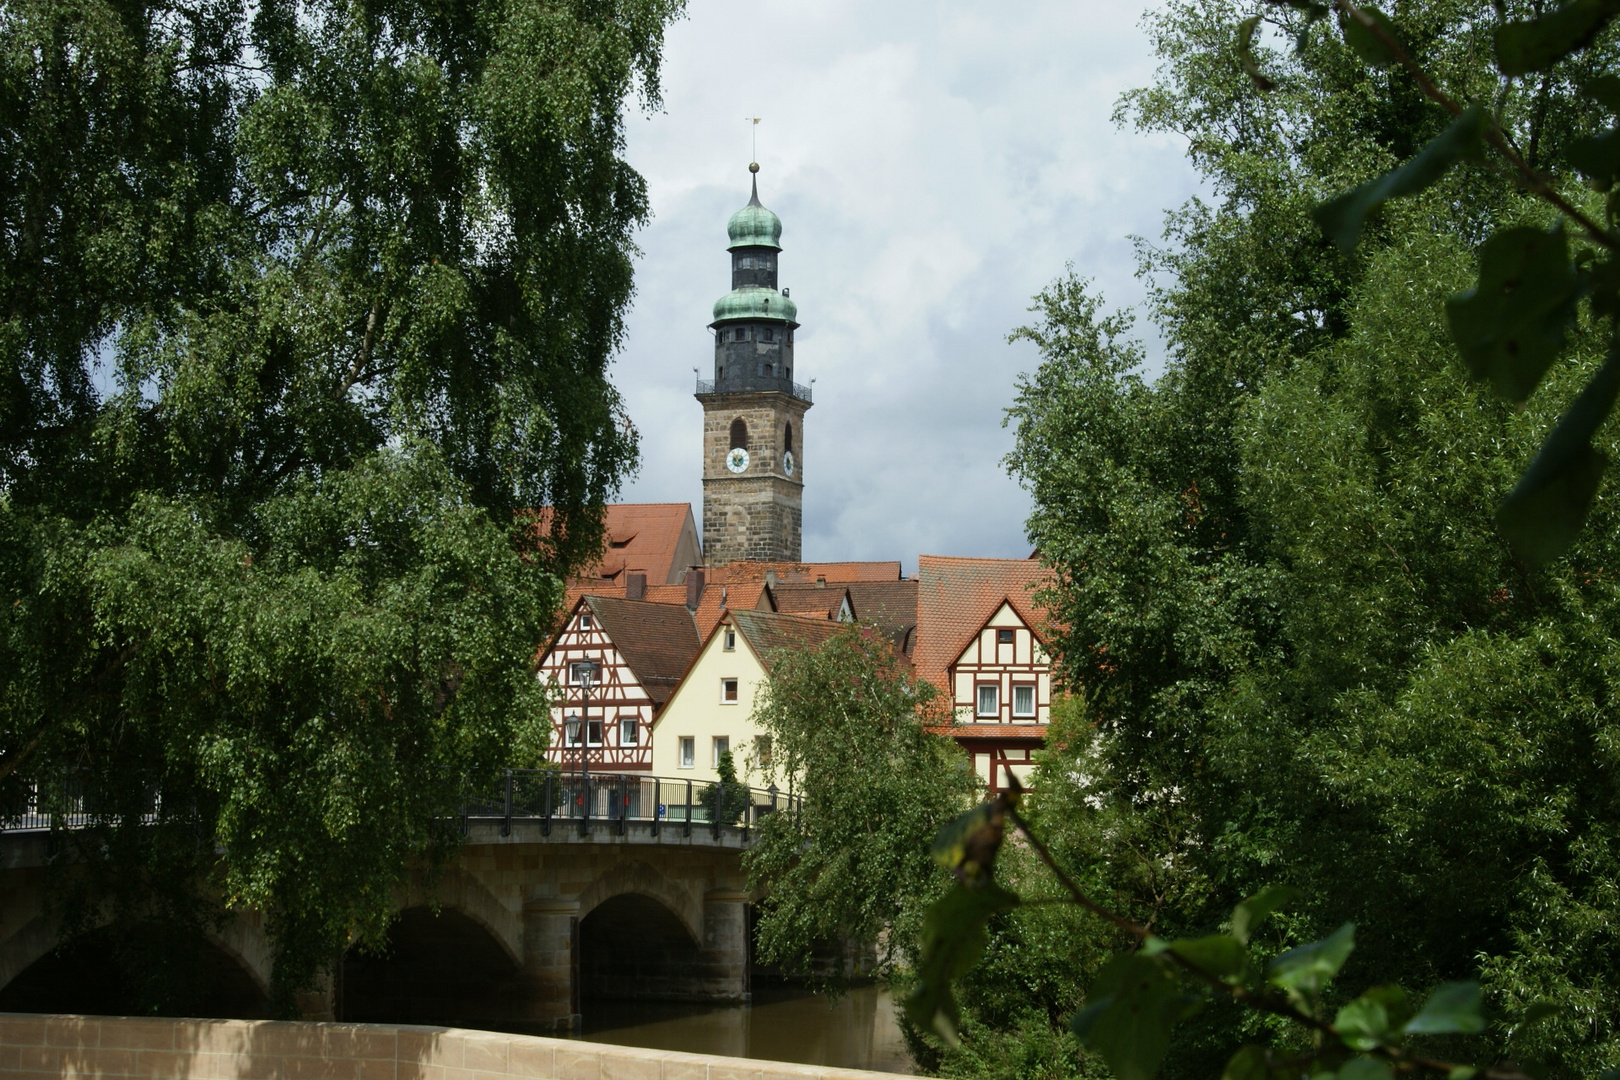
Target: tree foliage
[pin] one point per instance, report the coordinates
(304, 303)
(1309, 653)
(848, 861)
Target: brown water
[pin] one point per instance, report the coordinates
(782, 1024)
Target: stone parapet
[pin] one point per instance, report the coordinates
(35, 1047)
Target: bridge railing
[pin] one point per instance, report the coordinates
(610, 802)
(607, 801)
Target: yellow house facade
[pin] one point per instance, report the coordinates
(712, 709)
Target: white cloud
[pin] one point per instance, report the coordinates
(934, 165)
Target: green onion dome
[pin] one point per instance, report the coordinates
(755, 226)
(755, 302)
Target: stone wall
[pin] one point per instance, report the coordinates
(34, 1047)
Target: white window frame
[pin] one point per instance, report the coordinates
(593, 666)
(629, 731)
(1034, 704)
(979, 689)
(736, 690)
(728, 641)
(686, 752)
(585, 620)
(594, 725)
(720, 744)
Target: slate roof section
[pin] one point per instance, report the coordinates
(768, 632)
(658, 641)
(956, 597)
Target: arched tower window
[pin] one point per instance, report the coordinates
(787, 439)
(739, 434)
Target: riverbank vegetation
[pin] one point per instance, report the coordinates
(306, 302)
(1302, 648)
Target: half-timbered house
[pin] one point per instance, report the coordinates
(980, 640)
(631, 653)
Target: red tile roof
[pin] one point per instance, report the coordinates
(769, 633)
(656, 539)
(658, 641)
(956, 597)
(719, 599)
(824, 601)
(805, 573)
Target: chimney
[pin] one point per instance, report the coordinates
(770, 578)
(694, 587)
(635, 586)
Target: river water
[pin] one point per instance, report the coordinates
(858, 1031)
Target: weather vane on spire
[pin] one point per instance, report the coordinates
(753, 161)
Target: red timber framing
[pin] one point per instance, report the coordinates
(1001, 692)
(612, 725)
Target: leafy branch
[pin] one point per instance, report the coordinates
(1512, 326)
(1138, 998)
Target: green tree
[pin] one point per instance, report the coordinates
(305, 304)
(727, 800)
(869, 785)
(1307, 650)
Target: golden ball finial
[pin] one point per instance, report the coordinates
(753, 166)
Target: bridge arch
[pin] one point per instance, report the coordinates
(685, 902)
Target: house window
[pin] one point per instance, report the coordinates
(739, 434)
(584, 671)
(722, 745)
(687, 751)
(593, 733)
(1023, 699)
(584, 620)
(739, 334)
(787, 433)
(728, 691)
(770, 334)
(571, 731)
(762, 750)
(629, 731)
(989, 703)
(1004, 637)
(729, 641)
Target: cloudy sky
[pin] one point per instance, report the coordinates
(934, 165)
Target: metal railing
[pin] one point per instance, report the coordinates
(554, 800)
(612, 801)
(69, 807)
(800, 391)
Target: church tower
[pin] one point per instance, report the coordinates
(753, 411)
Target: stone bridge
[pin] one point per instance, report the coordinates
(534, 914)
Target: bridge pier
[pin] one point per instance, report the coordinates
(551, 963)
(723, 972)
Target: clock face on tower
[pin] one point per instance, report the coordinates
(787, 462)
(737, 460)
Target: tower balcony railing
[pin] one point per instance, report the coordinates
(799, 390)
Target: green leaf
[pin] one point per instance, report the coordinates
(1462, 1072)
(1309, 967)
(1132, 1009)
(1362, 1067)
(968, 843)
(1597, 157)
(1342, 218)
(1605, 90)
(1255, 1063)
(953, 939)
(1364, 42)
(1511, 326)
(1544, 512)
(1539, 1011)
(1530, 45)
(1247, 916)
(1367, 1022)
(1456, 1008)
(1220, 955)
(1246, 57)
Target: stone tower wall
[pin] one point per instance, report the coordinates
(759, 513)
